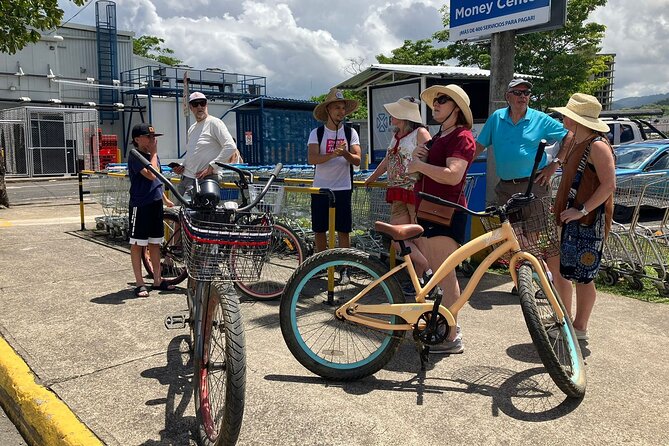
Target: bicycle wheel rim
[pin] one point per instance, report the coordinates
(331, 339)
(559, 351)
(213, 370)
(285, 255)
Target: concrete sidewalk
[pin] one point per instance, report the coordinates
(69, 313)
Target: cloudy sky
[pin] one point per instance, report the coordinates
(305, 46)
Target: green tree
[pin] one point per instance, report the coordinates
(21, 21)
(150, 46)
(565, 59)
(360, 96)
(420, 52)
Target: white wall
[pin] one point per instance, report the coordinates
(164, 118)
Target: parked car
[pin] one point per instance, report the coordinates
(645, 156)
(624, 130)
(650, 156)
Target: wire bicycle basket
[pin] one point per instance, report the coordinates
(534, 226)
(221, 246)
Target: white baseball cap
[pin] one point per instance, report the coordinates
(195, 96)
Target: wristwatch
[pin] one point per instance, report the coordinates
(583, 210)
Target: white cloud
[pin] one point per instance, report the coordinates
(637, 32)
(302, 46)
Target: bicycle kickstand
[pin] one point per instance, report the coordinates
(424, 353)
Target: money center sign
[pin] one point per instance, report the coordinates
(473, 19)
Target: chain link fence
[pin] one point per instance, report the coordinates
(48, 141)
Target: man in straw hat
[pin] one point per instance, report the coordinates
(334, 154)
(513, 133)
(594, 198)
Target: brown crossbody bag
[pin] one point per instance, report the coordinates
(434, 212)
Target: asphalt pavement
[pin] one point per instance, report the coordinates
(123, 379)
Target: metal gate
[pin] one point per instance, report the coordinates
(42, 141)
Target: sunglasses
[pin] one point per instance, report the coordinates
(520, 93)
(442, 99)
(198, 103)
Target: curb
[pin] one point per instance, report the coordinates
(41, 417)
(12, 180)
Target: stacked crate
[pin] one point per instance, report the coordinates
(108, 150)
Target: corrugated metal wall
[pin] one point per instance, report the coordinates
(284, 135)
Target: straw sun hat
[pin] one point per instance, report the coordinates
(321, 113)
(585, 110)
(454, 92)
(405, 109)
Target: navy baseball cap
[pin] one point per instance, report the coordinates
(144, 129)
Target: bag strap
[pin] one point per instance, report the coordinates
(576, 182)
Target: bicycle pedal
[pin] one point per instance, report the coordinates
(176, 322)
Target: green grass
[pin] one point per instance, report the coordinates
(648, 294)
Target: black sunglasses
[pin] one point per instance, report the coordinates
(198, 103)
(442, 99)
(520, 93)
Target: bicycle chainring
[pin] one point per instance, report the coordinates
(431, 336)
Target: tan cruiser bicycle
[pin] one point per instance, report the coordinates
(347, 330)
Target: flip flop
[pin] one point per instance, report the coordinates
(141, 291)
(164, 286)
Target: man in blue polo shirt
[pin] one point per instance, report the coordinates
(514, 133)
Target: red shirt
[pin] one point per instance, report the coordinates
(459, 143)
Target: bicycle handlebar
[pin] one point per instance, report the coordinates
(537, 160)
(242, 174)
(147, 165)
(264, 190)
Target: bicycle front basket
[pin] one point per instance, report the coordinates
(535, 228)
(227, 247)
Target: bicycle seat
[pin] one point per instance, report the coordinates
(399, 232)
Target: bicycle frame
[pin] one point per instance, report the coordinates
(410, 312)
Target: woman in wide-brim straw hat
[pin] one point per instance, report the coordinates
(408, 134)
(598, 182)
(444, 174)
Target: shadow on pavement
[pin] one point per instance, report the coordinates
(529, 395)
(177, 375)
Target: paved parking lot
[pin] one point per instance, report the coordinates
(68, 310)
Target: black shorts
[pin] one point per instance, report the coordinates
(457, 231)
(320, 211)
(146, 224)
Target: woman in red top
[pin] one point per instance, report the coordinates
(444, 175)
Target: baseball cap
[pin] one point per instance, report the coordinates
(516, 82)
(144, 129)
(195, 96)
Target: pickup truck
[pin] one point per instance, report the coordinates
(624, 130)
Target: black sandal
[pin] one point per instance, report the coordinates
(164, 286)
(141, 289)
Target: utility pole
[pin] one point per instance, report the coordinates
(502, 54)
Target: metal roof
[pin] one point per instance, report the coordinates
(382, 73)
(280, 103)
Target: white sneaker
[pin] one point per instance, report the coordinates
(450, 347)
(344, 278)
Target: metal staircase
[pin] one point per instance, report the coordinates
(105, 20)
